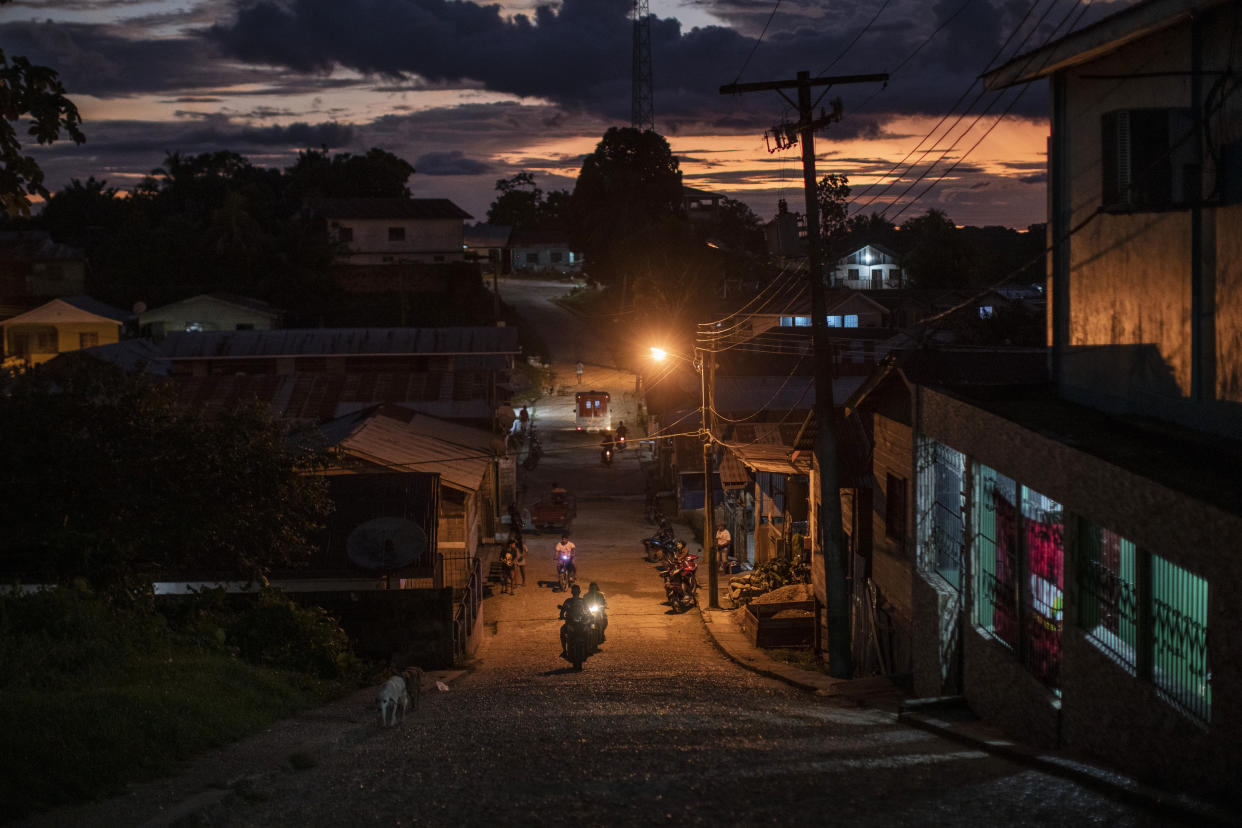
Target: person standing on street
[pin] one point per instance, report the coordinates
(580, 372)
(519, 560)
(723, 541)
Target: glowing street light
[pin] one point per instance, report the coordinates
(658, 354)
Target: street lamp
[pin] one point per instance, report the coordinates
(709, 507)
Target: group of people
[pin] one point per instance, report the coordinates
(576, 611)
(513, 559)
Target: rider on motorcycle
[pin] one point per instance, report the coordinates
(565, 554)
(622, 432)
(595, 598)
(574, 612)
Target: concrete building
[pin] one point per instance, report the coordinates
(1074, 546)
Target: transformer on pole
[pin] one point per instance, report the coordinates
(642, 114)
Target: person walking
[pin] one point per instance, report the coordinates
(509, 571)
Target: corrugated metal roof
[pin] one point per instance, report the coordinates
(770, 457)
(219, 298)
(487, 235)
(301, 396)
(389, 208)
(404, 440)
(479, 341)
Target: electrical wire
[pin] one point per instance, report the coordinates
(857, 208)
(857, 37)
(758, 40)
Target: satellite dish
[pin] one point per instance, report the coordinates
(385, 544)
(140, 307)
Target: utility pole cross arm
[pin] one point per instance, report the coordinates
(770, 86)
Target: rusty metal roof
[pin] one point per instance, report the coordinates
(313, 397)
(476, 341)
(404, 440)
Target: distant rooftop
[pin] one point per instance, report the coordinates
(389, 208)
(477, 341)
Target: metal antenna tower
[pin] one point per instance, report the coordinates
(642, 115)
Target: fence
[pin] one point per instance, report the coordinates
(466, 614)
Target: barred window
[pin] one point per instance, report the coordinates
(1149, 615)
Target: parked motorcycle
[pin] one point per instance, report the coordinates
(654, 546)
(681, 584)
(533, 452)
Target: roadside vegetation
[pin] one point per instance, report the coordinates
(112, 486)
(95, 694)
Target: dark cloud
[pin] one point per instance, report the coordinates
(1037, 178)
(449, 163)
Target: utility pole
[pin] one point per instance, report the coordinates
(828, 516)
(707, 367)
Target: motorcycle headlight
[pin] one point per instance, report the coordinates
(594, 608)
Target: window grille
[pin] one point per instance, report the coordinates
(1043, 600)
(940, 502)
(1108, 593)
(996, 565)
(1150, 615)
(1179, 604)
(396, 234)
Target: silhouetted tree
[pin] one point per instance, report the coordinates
(629, 185)
(523, 206)
(33, 92)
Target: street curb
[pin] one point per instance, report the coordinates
(1110, 783)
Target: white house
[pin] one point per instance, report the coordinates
(379, 231)
(870, 267)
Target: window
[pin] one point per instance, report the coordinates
(245, 326)
(940, 502)
(345, 235)
(1148, 615)
(1147, 160)
(555, 255)
(437, 258)
(851, 320)
(396, 234)
(834, 321)
(1019, 557)
(532, 258)
(88, 340)
(986, 312)
(852, 273)
(895, 509)
(45, 342)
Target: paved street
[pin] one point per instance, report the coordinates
(659, 727)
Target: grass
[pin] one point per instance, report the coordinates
(78, 743)
(800, 657)
(93, 697)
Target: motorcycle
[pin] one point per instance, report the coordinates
(576, 644)
(662, 548)
(534, 452)
(595, 626)
(681, 584)
(564, 577)
(605, 455)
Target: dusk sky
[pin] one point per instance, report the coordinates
(470, 93)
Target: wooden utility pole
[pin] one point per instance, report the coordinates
(828, 516)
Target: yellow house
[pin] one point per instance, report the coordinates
(61, 325)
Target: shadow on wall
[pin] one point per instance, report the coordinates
(1135, 379)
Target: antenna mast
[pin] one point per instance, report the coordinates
(642, 115)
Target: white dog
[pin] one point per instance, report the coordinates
(393, 702)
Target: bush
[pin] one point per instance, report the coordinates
(273, 631)
(70, 633)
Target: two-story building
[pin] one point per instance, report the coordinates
(1076, 542)
(377, 231)
(869, 267)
